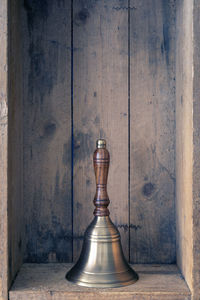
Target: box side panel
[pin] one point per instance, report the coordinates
(3, 149)
(15, 142)
(196, 152)
(184, 140)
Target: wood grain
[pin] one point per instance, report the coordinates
(196, 149)
(3, 150)
(106, 38)
(152, 132)
(16, 224)
(184, 139)
(100, 109)
(47, 281)
(47, 130)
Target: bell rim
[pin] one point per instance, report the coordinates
(104, 285)
(116, 284)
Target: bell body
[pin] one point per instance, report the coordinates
(102, 263)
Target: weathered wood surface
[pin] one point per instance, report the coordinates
(152, 131)
(102, 32)
(196, 150)
(40, 281)
(100, 109)
(16, 239)
(3, 150)
(47, 130)
(100, 39)
(47, 160)
(184, 138)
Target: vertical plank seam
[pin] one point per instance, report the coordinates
(72, 135)
(129, 234)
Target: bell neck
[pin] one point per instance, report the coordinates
(101, 161)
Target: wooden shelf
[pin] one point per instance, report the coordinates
(47, 281)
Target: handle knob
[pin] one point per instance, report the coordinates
(101, 161)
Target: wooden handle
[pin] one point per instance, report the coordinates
(101, 161)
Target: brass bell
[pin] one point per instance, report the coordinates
(102, 263)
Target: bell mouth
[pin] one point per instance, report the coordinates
(112, 280)
(102, 263)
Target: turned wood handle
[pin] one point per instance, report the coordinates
(101, 161)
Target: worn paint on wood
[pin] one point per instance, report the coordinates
(3, 150)
(184, 138)
(40, 281)
(100, 39)
(152, 131)
(47, 130)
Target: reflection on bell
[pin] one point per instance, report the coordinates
(102, 263)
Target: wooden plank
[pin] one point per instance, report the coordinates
(184, 138)
(100, 109)
(152, 131)
(196, 149)
(47, 130)
(47, 281)
(15, 143)
(3, 150)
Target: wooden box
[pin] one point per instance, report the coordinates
(74, 71)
